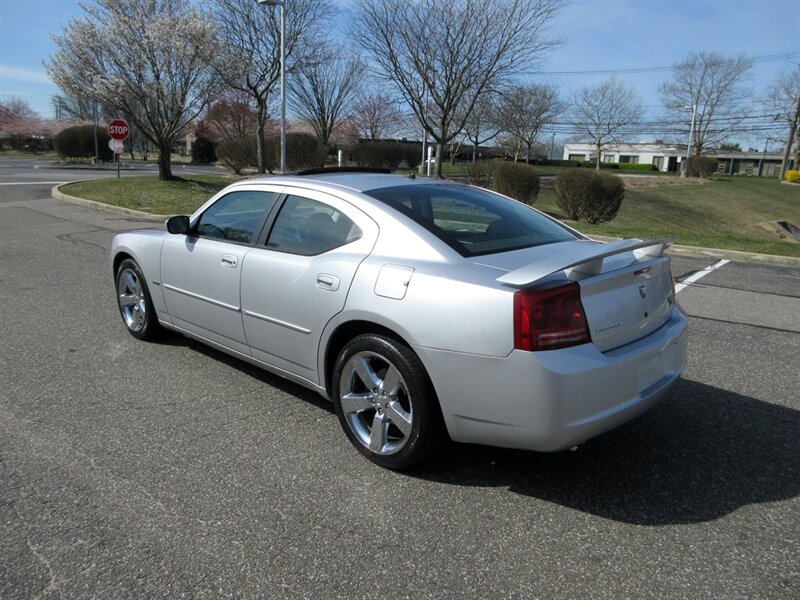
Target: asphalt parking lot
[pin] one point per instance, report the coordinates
(170, 470)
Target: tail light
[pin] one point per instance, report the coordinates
(550, 318)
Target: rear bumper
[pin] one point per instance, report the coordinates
(549, 401)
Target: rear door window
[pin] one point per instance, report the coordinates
(309, 227)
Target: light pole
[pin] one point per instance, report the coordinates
(282, 4)
(552, 145)
(685, 169)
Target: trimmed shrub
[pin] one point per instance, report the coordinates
(412, 154)
(381, 154)
(589, 196)
(238, 154)
(303, 151)
(636, 166)
(480, 173)
(203, 151)
(793, 176)
(78, 142)
(701, 166)
(517, 180)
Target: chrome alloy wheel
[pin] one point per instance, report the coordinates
(132, 301)
(375, 402)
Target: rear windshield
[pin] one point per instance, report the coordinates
(473, 221)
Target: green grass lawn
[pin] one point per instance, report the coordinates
(178, 197)
(727, 212)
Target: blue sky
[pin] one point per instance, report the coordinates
(598, 35)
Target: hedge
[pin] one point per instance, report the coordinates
(238, 154)
(701, 166)
(78, 142)
(589, 196)
(203, 151)
(517, 180)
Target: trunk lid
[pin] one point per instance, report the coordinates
(626, 286)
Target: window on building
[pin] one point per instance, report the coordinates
(628, 158)
(580, 157)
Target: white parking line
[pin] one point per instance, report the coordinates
(33, 183)
(699, 275)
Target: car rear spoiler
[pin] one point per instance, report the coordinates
(586, 258)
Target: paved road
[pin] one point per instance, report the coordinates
(169, 470)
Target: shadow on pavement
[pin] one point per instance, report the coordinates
(699, 455)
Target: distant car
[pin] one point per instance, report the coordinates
(425, 310)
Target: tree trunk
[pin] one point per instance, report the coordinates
(165, 161)
(598, 147)
(528, 154)
(475, 152)
(438, 171)
(261, 143)
(789, 139)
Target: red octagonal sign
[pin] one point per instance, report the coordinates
(118, 129)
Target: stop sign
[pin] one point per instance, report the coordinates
(118, 129)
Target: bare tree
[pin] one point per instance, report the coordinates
(375, 115)
(250, 39)
(604, 112)
(451, 51)
(154, 68)
(481, 125)
(715, 88)
(322, 90)
(783, 100)
(525, 109)
(232, 117)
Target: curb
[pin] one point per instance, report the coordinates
(735, 255)
(59, 195)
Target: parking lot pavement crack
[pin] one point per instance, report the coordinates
(70, 237)
(52, 584)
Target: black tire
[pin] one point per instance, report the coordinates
(134, 302)
(400, 400)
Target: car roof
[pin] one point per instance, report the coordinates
(353, 181)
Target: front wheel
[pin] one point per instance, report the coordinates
(386, 403)
(133, 300)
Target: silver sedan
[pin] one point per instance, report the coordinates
(427, 311)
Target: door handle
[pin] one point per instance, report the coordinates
(327, 282)
(229, 260)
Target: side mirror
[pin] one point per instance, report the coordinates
(178, 225)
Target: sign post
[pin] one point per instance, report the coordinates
(118, 130)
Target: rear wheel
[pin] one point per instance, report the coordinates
(386, 403)
(135, 305)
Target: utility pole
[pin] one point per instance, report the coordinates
(789, 139)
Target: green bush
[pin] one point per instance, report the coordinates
(303, 151)
(412, 154)
(203, 151)
(562, 163)
(701, 166)
(480, 172)
(517, 180)
(78, 142)
(589, 196)
(381, 154)
(238, 154)
(637, 166)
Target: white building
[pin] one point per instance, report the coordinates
(668, 157)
